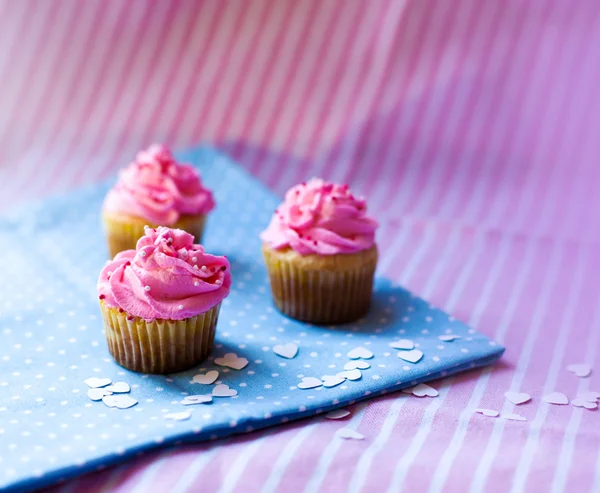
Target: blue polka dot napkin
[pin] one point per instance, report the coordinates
(51, 341)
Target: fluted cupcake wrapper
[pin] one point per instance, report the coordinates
(320, 296)
(159, 346)
(123, 232)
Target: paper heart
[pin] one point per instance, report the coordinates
(413, 356)
(488, 412)
(357, 365)
(348, 433)
(404, 344)
(514, 417)
(581, 370)
(337, 414)
(350, 374)
(207, 379)
(310, 383)
(118, 388)
(94, 382)
(289, 350)
(121, 401)
(97, 394)
(448, 337)
(181, 416)
(589, 396)
(109, 400)
(223, 390)
(360, 352)
(517, 397)
(582, 403)
(423, 390)
(190, 400)
(556, 398)
(332, 380)
(232, 360)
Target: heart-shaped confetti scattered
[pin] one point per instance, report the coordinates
(488, 412)
(109, 400)
(181, 416)
(96, 394)
(337, 414)
(589, 396)
(349, 434)
(232, 360)
(208, 378)
(196, 399)
(332, 380)
(223, 390)
(360, 352)
(514, 417)
(517, 397)
(581, 370)
(350, 374)
(310, 383)
(423, 390)
(404, 344)
(582, 403)
(557, 398)
(119, 388)
(289, 350)
(122, 401)
(448, 337)
(357, 365)
(413, 356)
(94, 382)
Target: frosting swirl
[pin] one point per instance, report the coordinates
(321, 218)
(167, 277)
(157, 188)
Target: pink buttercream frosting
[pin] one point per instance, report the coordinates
(321, 218)
(157, 188)
(167, 276)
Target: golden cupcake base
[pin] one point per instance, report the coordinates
(321, 289)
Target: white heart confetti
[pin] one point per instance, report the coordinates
(310, 383)
(95, 383)
(404, 344)
(350, 374)
(557, 398)
(289, 350)
(347, 433)
(360, 352)
(413, 356)
(448, 337)
(582, 403)
(182, 416)
(232, 360)
(423, 390)
(488, 412)
(124, 401)
(118, 388)
(109, 400)
(223, 390)
(357, 365)
(206, 379)
(517, 397)
(514, 417)
(581, 370)
(332, 380)
(589, 396)
(97, 394)
(337, 414)
(196, 399)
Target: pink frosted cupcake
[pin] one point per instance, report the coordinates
(155, 190)
(320, 253)
(160, 302)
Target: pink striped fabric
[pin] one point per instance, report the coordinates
(472, 127)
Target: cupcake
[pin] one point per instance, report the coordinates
(155, 190)
(320, 253)
(160, 302)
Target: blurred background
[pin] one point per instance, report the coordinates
(473, 127)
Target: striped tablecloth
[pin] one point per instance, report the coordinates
(473, 128)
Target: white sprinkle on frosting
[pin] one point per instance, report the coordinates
(204, 268)
(196, 283)
(147, 288)
(142, 253)
(194, 259)
(180, 307)
(195, 267)
(218, 282)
